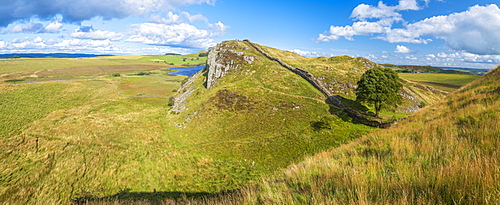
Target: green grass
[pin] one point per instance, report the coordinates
(112, 137)
(176, 59)
(28, 64)
(444, 154)
(445, 82)
(116, 138)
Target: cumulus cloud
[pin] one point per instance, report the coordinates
(306, 53)
(467, 57)
(79, 10)
(37, 27)
(382, 11)
(81, 46)
(91, 33)
(402, 49)
(386, 16)
(172, 18)
(358, 28)
(472, 31)
(176, 35)
(51, 45)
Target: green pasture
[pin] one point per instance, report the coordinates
(176, 59)
(445, 82)
(34, 64)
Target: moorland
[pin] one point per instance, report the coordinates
(97, 130)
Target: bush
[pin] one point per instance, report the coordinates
(116, 75)
(144, 73)
(171, 101)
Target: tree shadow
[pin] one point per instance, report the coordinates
(356, 113)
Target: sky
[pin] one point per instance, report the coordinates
(446, 33)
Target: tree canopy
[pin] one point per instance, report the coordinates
(379, 86)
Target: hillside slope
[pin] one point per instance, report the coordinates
(340, 74)
(248, 107)
(446, 153)
(108, 137)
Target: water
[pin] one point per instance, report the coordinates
(187, 71)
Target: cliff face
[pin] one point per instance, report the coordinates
(222, 59)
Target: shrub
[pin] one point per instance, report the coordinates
(171, 101)
(144, 73)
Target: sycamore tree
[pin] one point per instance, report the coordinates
(380, 87)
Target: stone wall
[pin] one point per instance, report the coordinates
(321, 86)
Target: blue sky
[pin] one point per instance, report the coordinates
(450, 33)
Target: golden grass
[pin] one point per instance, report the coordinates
(444, 154)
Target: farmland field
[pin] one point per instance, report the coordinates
(445, 82)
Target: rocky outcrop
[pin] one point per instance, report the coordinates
(224, 58)
(185, 91)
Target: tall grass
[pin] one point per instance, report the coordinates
(444, 154)
(103, 140)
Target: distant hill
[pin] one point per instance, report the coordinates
(51, 55)
(477, 71)
(423, 69)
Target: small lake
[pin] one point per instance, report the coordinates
(187, 71)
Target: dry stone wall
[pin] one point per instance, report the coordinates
(322, 86)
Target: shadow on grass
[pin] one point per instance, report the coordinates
(355, 112)
(153, 198)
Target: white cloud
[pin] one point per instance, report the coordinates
(468, 57)
(473, 31)
(402, 49)
(193, 18)
(386, 16)
(97, 35)
(79, 10)
(3, 44)
(26, 45)
(306, 53)
(36, 27)
(175, 35)
(358, 28)
(53, 27)
(372, 57)
(382, 11)
(171, 18)
(176, 18)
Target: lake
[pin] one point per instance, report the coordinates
(187, 71)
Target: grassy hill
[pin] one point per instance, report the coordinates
(446, 153)
(103, 137)
(341, 73)
(107, 137)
